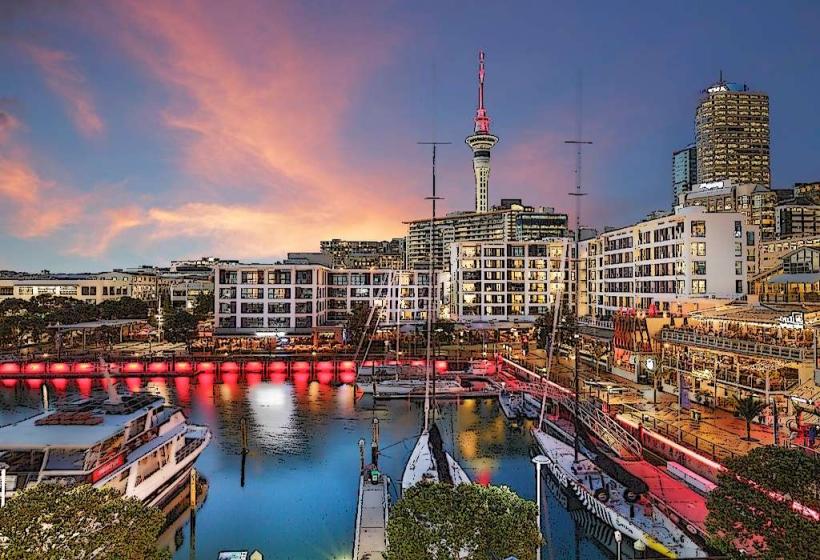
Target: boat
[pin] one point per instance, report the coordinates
(611, 502)
(429, 461)
(134, 444)
(512, 404)
(404, 387)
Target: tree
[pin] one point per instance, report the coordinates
(751, 507)
(443, 522)
(543, 330)
(52, 522)
(179, 326)
(123, 308)
(203, 305)
(748, 408)
(356, 324)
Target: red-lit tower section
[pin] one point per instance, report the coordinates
(481, 142)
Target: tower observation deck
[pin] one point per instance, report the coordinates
(481, 142)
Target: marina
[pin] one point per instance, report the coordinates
(300, 432)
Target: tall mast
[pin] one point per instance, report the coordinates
(482, 120)
(579, 144)
(430, 291)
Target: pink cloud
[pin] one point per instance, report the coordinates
(64, 79)
(266, 138)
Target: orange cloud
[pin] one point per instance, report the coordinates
(259, 110)
(64, 79)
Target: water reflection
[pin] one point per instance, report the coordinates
(300, 473)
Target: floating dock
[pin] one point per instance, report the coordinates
(371, 519)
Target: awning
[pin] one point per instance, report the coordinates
(804, 278)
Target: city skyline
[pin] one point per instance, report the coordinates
(137, 133)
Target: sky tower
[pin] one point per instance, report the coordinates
(481, 142)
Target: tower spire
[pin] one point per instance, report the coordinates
(482, 120)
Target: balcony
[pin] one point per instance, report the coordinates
(740, 346)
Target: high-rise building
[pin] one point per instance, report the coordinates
(684, 172)
(365, 254)
(481, 142)
(509, 221)
(732, 134)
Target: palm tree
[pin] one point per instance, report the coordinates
(748, 408)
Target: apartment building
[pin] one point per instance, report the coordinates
(509, 283)
(91, 288)
(297, 298)
(511, 220)
(366, 254)
(689, 260)
(185, 293)
(756, 202)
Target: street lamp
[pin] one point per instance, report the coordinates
(618, 539)
(538, 460)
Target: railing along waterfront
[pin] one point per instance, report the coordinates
(596, 323)
(734, 344)
(713, 450)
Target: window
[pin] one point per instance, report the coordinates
(279, 277)
(698, 286)
(227, 322)
(699, 267)
(360, 292)
(738, 286)
(228, 277)
(227, 307)
(738, 229)
(279, 322)
(738, 249)
(699, 229)
(278, 293)
(750, 238)
(698, 249)
(252, 322)
(304, 322)
(304, 276)
(738, 268)
(279, 307)
(6, 290)
(253, 277)
(252, 293)
(304, 293)
(227, 293)
(304, 307)
(254, 307)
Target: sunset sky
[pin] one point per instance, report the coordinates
(136, 132)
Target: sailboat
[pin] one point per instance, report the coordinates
(429, 461)
(607, 497)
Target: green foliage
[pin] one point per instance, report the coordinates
(50, 522)
(203, 305)
(443, 522)
(748, 408)
(356, 324)
(743, 516)
(123, 308)
(179, 325)
(23, 322)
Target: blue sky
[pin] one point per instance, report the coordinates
(137, 132)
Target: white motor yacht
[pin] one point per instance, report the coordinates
(137, 445)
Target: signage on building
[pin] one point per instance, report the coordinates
(792, 321)
(713, 185)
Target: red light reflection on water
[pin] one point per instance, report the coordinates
(183, 388)
(60, 384)
(133, 383)
(484, 477)
(84, 386)
(253, 378)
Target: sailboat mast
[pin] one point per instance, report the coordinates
(431, 285)
(579, 144)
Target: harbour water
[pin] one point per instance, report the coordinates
(301, 473)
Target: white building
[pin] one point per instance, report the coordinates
(689, 260)
(508, 282)
(91, 288)
(296, 298)
(185, 293)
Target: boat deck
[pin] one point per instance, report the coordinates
(673, 492)
(371, 520)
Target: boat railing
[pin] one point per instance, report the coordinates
(190, 446)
